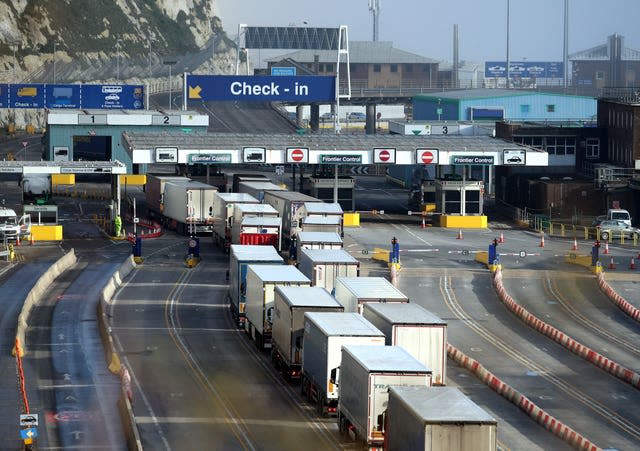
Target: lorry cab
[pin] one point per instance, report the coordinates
(618, 214)
(12, 227)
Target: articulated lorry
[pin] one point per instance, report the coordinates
(181, 204)
(223, 205)
(240, 259)
(261, 283)
(325, 333)
(416, 329)
(366, 373)
(287, 333)
(437, 418)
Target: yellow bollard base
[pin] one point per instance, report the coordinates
(397, 266)
(596, 269)
(138, 260)
(191, 261)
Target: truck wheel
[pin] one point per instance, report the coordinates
(321, 407)
(258, 340)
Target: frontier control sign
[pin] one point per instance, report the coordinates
(472, 159)
(340, 159)
(261, 88)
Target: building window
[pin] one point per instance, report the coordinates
(328, 67)
(525, 108)
(551, 108)
(376, 68)
(425, 68)
(599, 75)
(408, 68)
(393, 67)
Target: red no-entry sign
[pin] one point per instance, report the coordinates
(426, 156)
(297, 155)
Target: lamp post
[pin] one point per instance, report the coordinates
(169, 63)
(118, 59)
(149, 55)
(14, 45)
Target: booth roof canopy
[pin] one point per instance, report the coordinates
(328, 142)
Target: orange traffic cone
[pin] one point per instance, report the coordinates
(575, 244)
(612, 265)
(459, 237)
(632, 265)
(542, 239)
(31, 239)
(501, 240)
(18, 240)
(424, 225)
(606, 248)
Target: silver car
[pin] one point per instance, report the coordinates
(612, 229)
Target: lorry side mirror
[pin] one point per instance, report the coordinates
(334, 376)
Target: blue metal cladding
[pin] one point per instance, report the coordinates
(519, 106)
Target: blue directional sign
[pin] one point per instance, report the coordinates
(62, 96)
(524, 69)
(261, 88)
(4, 95)
(128, 97)
(28, 433)
(26, 96)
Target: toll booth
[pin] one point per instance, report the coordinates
(459, 197)
(322, 188)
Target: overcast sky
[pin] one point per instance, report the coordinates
(425, 27)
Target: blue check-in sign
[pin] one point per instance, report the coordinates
(261, 88)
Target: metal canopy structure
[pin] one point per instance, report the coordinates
(311, 38)
(143, 147)
(63, 167)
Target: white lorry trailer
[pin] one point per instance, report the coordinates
(366, 373)
(323, 209)
(290, 305)
(223, 204)
(289, 206)
(261, 283)
(240, 258)
(247, 232)
(321, 224)
(324, 335)
(323, 266)
(314, 240)
(354, 292)
(435, 419)
(184, 205)
(420, 332)
(257, 189)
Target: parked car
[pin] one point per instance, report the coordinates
(327, 116)
(355, 116)
(613, 228)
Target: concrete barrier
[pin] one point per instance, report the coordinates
(112, 358)
(591, 356)
(541, 417)
(618, 300)
(35, 294)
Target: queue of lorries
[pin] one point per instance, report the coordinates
(360, 350)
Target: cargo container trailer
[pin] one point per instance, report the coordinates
(324, 335)
(437, 418)
(324, 209)
(314, 240)
(354, 292)
(316, 223)
(257, 188)
(154, 192)
(323, 266)
(240, 258)
(366, 373)
(223, 204)
(261, 283)
(417, 330)
(185, 206)
(287, 334)
(238, 178)
(289, 206)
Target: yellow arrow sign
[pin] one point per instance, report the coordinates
(194, 93)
